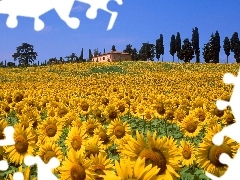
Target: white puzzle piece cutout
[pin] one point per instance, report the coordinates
(36, 8)
(8, 132)
(44, 170)
(231, 131)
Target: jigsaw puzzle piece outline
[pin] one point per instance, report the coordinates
(37, 8)
(43, 170)
(95, 5)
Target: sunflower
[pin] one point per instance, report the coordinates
(101, 132)
(5, 108)
(76, 166)
(62, 111)
(48, 150)
(98, 112)
(76, 138)
(90, 125)
(133, 109)
(190, 126)
(50, 129)
(122, 107)
(117, 130)
(209, 153)
(140, 110)
(126, 171)
(161, 152)
(17, 96)
(111, 112)
(149, 115)
(201, 114)
(188, 152)
(70, 117)
(93, 146)
(101, 163)
(159, 110)
(228, 118)
(179, 115)
(84, 107)
(24, 144)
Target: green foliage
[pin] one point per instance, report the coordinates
(187, 52)
(195, 43)
(113, 48)
(147, 52)
(235, 46)
(108, 69)
(173, 46)
(227, 47)
(25, 54)
(178, 45)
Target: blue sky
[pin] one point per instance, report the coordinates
(138, 21)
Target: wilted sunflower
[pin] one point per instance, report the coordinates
(190, 126)
(209, 153)
(90, 125)
(161, 152)
(139, 171)
(101, 132)
(76, 166)
(76, 138)
(99, 164)
(117, 130)
(187, 157)
(50, 129)
(24, 144)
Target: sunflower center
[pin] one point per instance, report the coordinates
(216, 151)
(218, 113)
(191, 127)
(105, 101)
(99, 169)
(90, 129)
(62, 112)
(148, 116)
(112, 114)
(18, 97)
(119, 131)
(160, 109)
(21, 144)
(7, 109)
(76, 143)
(229, 119)
(92, 150)
(170, 115)
(121, 108)
(84, 106)
(186, 153)
(1, 135)
(103, 137)
(48, 155)
(156, 158)
(77, 172)
(51, 130)
(98, 113)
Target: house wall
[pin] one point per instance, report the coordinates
(112, 58)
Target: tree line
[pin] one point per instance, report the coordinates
(185, 51)
(188, 50)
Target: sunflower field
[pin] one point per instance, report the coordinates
(125, 120)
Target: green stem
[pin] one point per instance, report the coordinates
(151, 126)
(144, 124)
(166, 128)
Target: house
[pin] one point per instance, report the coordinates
(113, 56)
